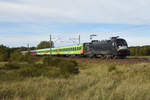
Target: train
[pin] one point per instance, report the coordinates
(114, 47)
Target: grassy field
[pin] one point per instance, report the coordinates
(97, 80)
(138, 57)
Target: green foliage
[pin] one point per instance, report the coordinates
(124, 82)
(65, 66)
(48, 61)
(45, 44)
(32, 70)
(4, 53)
(11, 66)
(111, 67)
(18, 71)
(17, 56)
(140, 51)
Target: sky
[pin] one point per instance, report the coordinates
(25, 22)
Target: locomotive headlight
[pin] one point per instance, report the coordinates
(123, 48)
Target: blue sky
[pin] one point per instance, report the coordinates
(31, 21)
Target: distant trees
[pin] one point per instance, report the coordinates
(7, 53)
(140, 51)
(4, 53)
(45, 44)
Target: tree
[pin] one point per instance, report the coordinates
(4, 53)
(45, 44)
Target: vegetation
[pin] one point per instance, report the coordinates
(26, 77)
(4, 53)
(45, 44)
(7, 53)
(140, 51)
(18, 71)
(96, 81)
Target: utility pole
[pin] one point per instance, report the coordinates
(50, 45)
(28, 47)
(79, 39)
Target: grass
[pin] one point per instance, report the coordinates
(96, 81)
(138, 57)
(2, 64)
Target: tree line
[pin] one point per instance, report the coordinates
(7, 53)
(140, 51)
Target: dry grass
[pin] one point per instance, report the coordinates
(96, 81)
(2, 64)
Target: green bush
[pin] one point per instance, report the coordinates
(68, 66)
(111, 67)
(4, 53)
(51, 67)
(11, 66)
(47, 60)
(17, 57)
(31, 70)
(65, 66)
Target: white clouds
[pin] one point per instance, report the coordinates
(93, 11)
(63, 39)
(73, 11)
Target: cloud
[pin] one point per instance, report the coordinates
(65, 39)
(91, 11)
(21, 18)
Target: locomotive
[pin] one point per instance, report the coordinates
(113, 48)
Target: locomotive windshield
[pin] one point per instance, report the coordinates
(121, 42)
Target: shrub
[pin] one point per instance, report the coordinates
(61, 68)
(11, 66)
(65, 66)
(47, 61)
(4, 53)
(111, 67)
(68, 66)
(32, 70)
(17, 57)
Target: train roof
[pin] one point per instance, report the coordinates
(59, 47)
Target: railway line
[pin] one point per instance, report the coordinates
(116, 61)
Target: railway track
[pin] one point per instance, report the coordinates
(118, 61)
